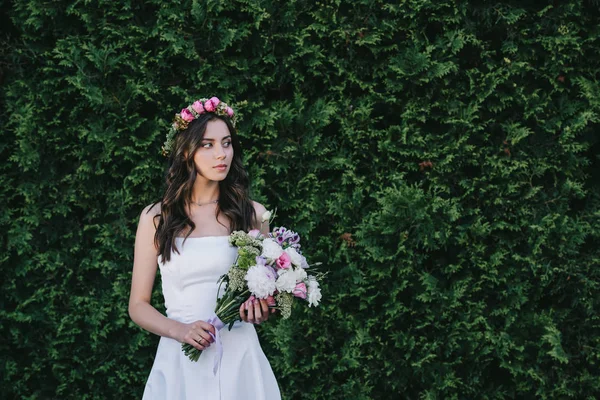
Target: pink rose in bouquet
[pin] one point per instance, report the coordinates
(300, 290)
(284, 261)
(254, 233)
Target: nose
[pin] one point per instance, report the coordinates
(220, 153)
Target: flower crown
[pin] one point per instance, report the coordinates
(190, 113)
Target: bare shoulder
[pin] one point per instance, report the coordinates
(259, 209)
(148, 214)
(153, 208)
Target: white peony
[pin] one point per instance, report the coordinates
(294, 256)
(314, 296)
(300, 274)
(304, 262)
(286, 281)
(261, 281)
(314, 292)
(266, 216)
(271, 249)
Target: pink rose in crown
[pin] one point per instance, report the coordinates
(254, 233)
(229, 111)
(198, 107)
(186, 115)
(300, 290)
(211, 105)
(284, 261)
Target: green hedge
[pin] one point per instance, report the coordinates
(441, 158)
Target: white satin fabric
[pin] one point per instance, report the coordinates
(189, 285)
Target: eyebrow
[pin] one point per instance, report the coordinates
(212, 140)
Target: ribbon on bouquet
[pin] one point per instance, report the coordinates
(218, 324)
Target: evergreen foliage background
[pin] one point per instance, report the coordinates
(440, 157)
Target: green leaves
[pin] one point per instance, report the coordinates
(439, 158)
(553, 339)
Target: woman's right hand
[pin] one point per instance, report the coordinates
(197, 334)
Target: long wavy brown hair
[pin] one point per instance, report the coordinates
(234, 199)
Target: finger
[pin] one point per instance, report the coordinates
(246, 308)
(243, 312)
(257, 312)
(250, 314)
(196, 345)
(202, 343)
(197, 337)
(264, 310)
(208, 327)
(206, 336)
(190, 340)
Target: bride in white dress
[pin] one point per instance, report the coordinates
(185, 234)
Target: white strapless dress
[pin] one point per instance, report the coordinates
(189, 285)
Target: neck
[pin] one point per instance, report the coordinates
(205, 191)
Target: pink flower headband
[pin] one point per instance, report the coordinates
(190, 113)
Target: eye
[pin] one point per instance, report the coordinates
(227, 144)
(207, 145)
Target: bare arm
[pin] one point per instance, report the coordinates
(259, 210)
(142, 280)
(257, 310)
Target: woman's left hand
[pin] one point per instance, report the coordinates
(255, 311)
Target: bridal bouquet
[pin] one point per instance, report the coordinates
(269, 267)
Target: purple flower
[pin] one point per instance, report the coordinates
(260, 260)
(271, 273)
(304, 263)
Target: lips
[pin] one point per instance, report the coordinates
(220, 167)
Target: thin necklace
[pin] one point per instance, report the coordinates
(203, 204)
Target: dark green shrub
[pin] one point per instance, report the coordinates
(440, 158)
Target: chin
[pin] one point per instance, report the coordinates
(218, 177)
(212, 176)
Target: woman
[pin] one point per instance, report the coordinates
(186, 235)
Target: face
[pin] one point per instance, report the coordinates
(215, 154)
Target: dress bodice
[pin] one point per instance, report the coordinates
(189, 285)
(189, 278)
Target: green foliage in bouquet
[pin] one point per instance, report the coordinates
(440, 157)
